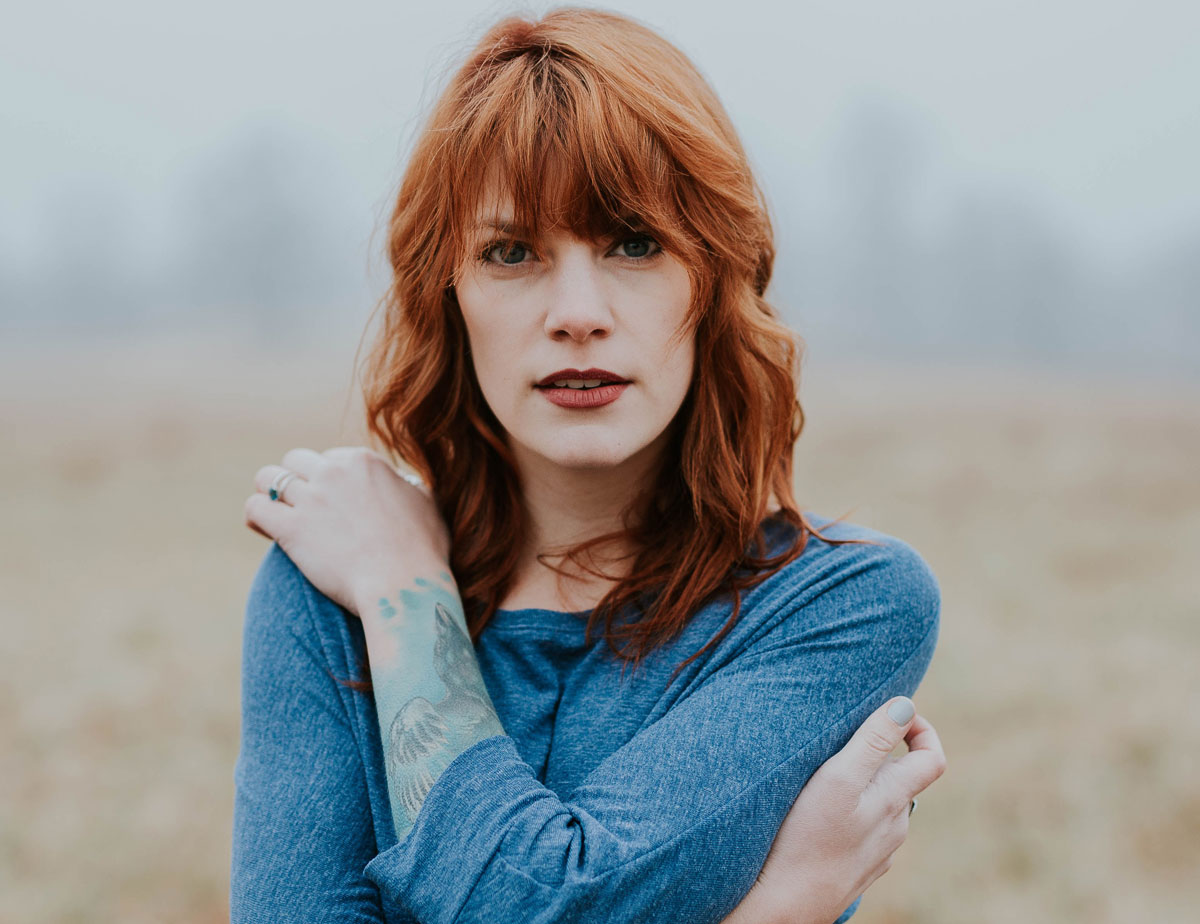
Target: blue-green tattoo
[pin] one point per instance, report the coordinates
(430, 697)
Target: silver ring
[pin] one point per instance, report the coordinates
(912, 808)
(275, 492)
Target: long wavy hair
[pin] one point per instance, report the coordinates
(593, 122)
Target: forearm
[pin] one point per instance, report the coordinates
(429, 694)
(765, 905)
(755, 908)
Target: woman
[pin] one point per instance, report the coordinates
(577, 358)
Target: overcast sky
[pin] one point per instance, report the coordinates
(1089, 112)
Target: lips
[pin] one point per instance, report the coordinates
(579, 399)
(593, 374)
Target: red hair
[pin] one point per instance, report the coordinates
(595, 123)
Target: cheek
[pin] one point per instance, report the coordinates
(487, 356)
(481, 339)
(682, 367)
(495, 355)
(680, 361)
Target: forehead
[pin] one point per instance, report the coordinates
(497, 208)
(498, 215)
(561, 196)
(495, 211)
(494, 197)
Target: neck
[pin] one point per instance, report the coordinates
(566, 506)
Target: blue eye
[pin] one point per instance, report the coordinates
(511, 252)
(639, 247)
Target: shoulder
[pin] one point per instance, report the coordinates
(286, 613)
(864, 612)
(280, 595)
(851, 575)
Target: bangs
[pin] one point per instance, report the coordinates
(548, 144)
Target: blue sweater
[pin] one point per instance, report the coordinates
(608, 799)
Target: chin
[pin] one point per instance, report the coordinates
(591, 451)
(588, 461)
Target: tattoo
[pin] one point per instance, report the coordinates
(429, 730)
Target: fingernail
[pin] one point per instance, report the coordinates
(902, 710)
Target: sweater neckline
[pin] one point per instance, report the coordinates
(540, 621)
(558, 621)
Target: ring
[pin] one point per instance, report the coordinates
(279, 483)
(912, 808)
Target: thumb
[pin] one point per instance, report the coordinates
(875, 739)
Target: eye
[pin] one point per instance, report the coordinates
(511, 253)
(640, 246)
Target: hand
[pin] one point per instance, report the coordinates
(847, 822)
(349, 521)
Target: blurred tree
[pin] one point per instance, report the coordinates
(1009, 287)
(85, 278)
(265, 234)
(879, 166)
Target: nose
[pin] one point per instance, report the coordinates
(579, 301)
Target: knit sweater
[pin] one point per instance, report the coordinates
(612, 796)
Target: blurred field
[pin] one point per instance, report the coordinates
(1062, 519)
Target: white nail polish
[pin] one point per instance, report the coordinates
(902, 710)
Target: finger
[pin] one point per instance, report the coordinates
(869, 747)
(899, 781)
(304, 462)
(926, 759)
(266, 517)
(922, 736)
(294, 489)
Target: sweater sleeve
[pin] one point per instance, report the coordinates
(302, 821)
(675, 824)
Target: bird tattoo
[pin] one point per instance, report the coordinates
(420, 734)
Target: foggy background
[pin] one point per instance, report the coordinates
(996, 181)
(988, 234)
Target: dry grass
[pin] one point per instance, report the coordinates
(1063, 521)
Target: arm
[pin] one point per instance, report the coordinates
(354, 525)
(429, 694)
(302, 820)
(677, 822)
(283, 870)
(711, 779)
(847, 823)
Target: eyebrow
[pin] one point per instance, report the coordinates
(498, 224)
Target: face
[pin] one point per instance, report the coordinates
(533, 309)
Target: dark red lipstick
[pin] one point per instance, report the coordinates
(610, 388)
(589, 374)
